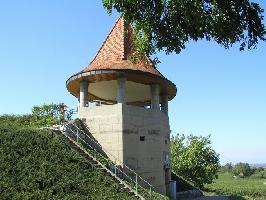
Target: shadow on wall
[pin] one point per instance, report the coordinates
(122, 171)
(89, 138)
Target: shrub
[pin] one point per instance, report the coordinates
(37, 165)
(194, 160)
(260, 174)
(228, 167)
(242, 170)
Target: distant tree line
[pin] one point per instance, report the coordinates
(57, 112)
(44, 115)
(243, 170)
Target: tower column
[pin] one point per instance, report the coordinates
(121, 90)
(83, 94)
(164, 98)
(78, 100)
(155, 98)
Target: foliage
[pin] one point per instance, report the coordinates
(26, 121)
(259, 174)
(169, 24)
(226, 184)
(37, 165)
(242, 170)
(194, 160)
(228, 167)
(51, 110)
(58, 112)
(45, 115)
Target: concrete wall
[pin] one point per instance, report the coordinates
(118, 129)
(146, 157)
(105, 124)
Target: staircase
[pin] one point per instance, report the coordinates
(76, 133)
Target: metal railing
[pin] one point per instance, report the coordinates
(125, 173)
(114, 157)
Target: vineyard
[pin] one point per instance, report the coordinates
(250, 187)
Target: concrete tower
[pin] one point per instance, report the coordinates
(131, 117)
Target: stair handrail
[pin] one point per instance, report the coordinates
(151, 188)
(106, 159)
(106, 151)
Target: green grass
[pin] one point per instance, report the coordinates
(251, 188)
(35, 164)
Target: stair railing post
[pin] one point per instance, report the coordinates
(115, 167)
(77, 136)
(136, 183)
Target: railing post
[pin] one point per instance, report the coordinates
(137, 183)
(117, 171)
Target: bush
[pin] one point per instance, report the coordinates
(260, 174)
(242, 170)
(26, 121)
(228, 167)
(45, 115)
(194, 160)
(58, 112)
(37, 165)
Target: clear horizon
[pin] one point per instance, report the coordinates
(220, 92)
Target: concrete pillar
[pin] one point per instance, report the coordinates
(155, 98)
(173, 190)
(83, 94)
(121, 90)
(78, 100)
(164, 99)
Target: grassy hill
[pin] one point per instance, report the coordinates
(35, 164)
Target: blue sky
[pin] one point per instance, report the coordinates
(220, 92)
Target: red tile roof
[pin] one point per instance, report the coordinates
(116, 50)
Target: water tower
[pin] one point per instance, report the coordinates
(131, 117)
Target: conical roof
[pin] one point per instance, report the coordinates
(116, 50)
(113, 60)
